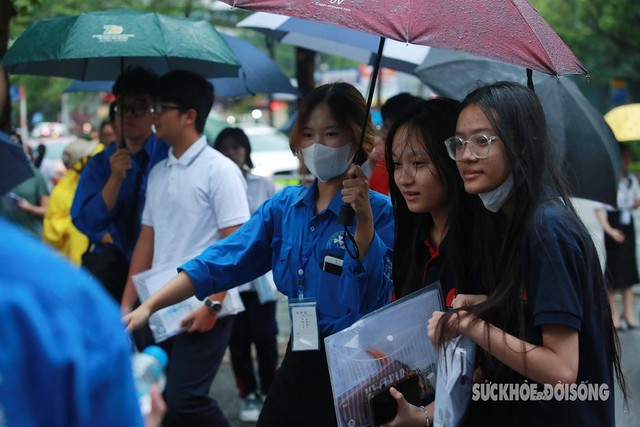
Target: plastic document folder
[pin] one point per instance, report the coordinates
(455, 379)
(165, 323)
(381, 349)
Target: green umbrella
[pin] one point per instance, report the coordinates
(100, 45)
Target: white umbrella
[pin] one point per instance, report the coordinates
(338, 41)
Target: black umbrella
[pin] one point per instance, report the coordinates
(14, 166)
(587, 144)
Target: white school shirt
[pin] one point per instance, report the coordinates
(628, 193)
(259, 189)
(190, 199)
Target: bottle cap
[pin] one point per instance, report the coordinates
(158, 353)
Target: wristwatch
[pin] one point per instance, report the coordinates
(214, 306)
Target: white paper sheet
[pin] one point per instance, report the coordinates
(165, 323)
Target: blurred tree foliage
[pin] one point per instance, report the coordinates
(604, 35)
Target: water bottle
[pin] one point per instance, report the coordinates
(148, 370)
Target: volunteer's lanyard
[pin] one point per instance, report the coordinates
(307, 255)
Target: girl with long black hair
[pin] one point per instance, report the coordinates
(546, 321)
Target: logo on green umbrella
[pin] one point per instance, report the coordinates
(112, 33)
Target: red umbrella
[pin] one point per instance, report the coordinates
(506, 30)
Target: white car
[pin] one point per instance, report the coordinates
(270, 151)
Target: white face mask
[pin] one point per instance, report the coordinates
(325, 162)
(494, 200)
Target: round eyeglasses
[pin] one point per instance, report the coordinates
(479, 146)
(137, 110)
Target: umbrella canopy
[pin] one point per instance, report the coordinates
(589, 148)
(14, 166)
(510, 31)
(334, 40)
(258, 74)
(625, 122)
(100, 45)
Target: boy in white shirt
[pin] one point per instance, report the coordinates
(194, 198)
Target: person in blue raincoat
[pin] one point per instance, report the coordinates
(332, 278)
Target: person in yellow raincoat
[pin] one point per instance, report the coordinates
(58, 230)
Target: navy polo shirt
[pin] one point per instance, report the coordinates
(564, 287)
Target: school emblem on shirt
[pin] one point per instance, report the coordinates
(336, 241)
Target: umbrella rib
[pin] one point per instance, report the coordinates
(536, 34)
(544, 47)
(245, 83)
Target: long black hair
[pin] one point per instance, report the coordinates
(516, 115)
(432, 122)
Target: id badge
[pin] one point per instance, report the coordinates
(304, 322)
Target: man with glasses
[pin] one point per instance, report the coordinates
(111, 192)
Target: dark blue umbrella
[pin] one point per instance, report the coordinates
(258, 74)
(90, 86)
(14, 166)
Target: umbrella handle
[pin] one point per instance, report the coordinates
(530, 79)
(347, 213)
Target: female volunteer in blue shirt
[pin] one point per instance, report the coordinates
(297, 235)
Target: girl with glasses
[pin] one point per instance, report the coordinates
(546, 321)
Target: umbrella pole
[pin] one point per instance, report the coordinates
(123, 144)
(359, 157)
(347, 213)
(530, 79)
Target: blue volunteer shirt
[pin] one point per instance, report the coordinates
(64, 355)
(286, 236)
(88, 211)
